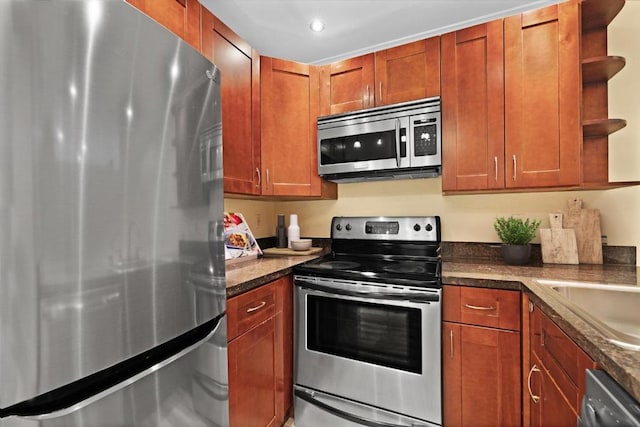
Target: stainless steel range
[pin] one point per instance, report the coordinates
(368, 326)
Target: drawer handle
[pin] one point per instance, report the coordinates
(478, 307)
(535, 398)
(257, 307)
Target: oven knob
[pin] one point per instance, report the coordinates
(428, 227)
(416, 227)
(338, 227)
(348, 227)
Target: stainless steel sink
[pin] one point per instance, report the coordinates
(613, 310)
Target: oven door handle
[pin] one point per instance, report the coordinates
(396, 296)
(308, 397)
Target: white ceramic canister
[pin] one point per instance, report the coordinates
(293, 232)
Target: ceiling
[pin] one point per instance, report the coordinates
(280, 28)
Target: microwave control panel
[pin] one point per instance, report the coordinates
(425, 136)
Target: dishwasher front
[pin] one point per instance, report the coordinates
(606, 403)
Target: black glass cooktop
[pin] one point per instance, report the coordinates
(393, 270)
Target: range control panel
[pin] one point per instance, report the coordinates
(420, 228)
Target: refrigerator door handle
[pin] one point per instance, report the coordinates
(78, 394)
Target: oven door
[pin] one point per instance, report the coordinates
(371, 343)
(367, 146)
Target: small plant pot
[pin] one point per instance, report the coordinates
(516, 254)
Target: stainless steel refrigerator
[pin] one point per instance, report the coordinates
(112, 290)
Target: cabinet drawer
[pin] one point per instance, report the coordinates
(494, 308)
(250, 309)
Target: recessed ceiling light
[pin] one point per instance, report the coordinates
(316, 25)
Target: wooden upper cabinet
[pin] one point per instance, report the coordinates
(289, 128)
(407, 72)
(473, 108)
(182, 17)
(403, 73)
(543, 134)
(240, 73)
(347, 85)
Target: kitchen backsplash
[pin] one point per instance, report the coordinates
(491, 253)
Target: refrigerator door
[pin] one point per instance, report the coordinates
(187, 389)
(111, 202)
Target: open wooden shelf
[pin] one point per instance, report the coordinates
(601, 68)
(604, 127)
(599, 13)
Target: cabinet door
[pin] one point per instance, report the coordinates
(481, 371)
(240, 72)
(548, 405)
(182, 17)
(289, 129)
(473, 108)
(543, 136)
(408, 72)
(347, 85)
(252, 377)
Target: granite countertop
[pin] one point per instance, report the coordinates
(243, 276)
(623, 365)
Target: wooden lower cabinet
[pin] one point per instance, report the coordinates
(481, 357)
(260, 355)
(553, 372)
(482, 376)
(252, 377)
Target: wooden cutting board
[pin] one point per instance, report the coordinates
(586, 224)
(289, 252)
(558, 244)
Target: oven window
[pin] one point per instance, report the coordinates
(362, 147)
(385, 335)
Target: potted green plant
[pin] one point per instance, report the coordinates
(516, 234)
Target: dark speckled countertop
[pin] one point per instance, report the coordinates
(243, 276)
(623, 365)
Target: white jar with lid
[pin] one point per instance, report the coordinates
(293, 232)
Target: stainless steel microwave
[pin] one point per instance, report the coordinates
(392, 142)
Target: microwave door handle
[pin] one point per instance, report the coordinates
(398, 142)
